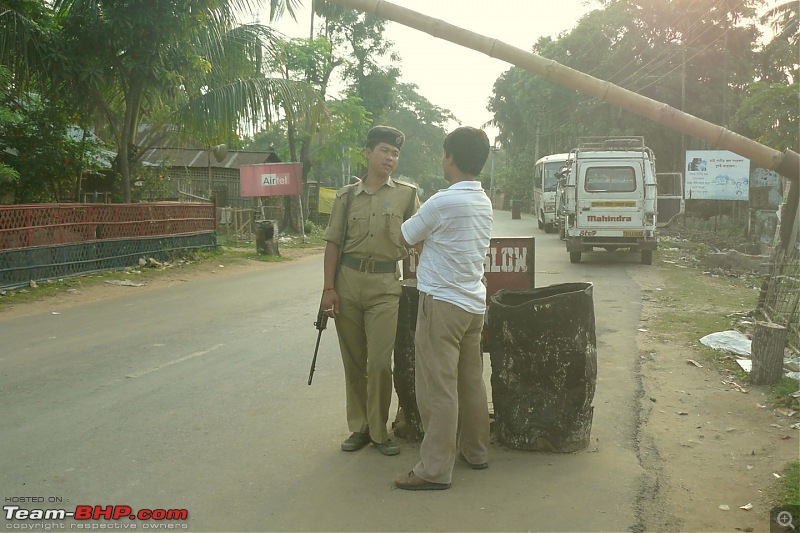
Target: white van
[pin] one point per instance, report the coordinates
(610, 197)
(544, 190)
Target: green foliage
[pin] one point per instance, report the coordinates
(331, 146)
(151, 184)
(785, 20)
(306, 60)
(757, 111)
(183, 64)
(362, 39)
(704, 236)
(24, 27)
(45, 151)
(789, 484)
(272, 139)
(8, 119)
(339, 148)
(312, 230)
(424, 126)
(513, 175)
(656, 49)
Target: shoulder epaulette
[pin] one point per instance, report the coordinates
(406, 183)
(341, 192)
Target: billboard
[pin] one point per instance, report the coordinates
(271, 179)
(326, 198)
(716, 175)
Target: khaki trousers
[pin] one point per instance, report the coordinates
(451, 394)
(366, 324)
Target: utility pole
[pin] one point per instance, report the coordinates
(311, 31)
(682, 155)
(494, 150)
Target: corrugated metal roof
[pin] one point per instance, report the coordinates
(183, 157)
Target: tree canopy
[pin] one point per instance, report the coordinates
(703, 57)
(186, 67)
(191, 71)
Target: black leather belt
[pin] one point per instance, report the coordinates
(368, 265)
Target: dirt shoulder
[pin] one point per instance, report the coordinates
(711, 444)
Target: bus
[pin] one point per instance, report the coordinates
(544, 189)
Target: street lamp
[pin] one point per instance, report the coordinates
(494, 149)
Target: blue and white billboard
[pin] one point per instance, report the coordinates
(717, 175)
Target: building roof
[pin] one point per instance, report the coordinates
(194, 158)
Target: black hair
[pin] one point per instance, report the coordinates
(469, 147)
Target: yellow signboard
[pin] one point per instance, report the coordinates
(614, 204)
(326, 198)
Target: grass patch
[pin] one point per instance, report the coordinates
(694, 304)
(311, 241)
(42, 290)
(789, 484)
(232, 253)
(782, 394)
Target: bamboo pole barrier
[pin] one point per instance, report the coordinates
(786, 163)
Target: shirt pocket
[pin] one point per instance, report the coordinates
(393, 219)
(358, 226)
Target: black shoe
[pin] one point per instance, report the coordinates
(354, 442)
(474, 466)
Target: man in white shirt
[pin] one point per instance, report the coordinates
(453, 227)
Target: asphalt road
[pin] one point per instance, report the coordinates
(194, 397)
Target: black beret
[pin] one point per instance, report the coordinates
(385, 134)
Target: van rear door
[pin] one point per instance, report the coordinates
(610, 198)
(670, 197)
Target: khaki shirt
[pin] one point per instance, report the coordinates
(373, 224)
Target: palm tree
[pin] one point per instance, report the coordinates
(183, 63)
(784, 19)
(24, 26)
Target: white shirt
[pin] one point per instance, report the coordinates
(455, 225)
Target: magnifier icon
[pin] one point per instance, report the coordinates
(784, 519)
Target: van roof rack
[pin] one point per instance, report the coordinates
(629, 143)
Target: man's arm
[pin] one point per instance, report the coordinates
(418, 247)
(419, 227)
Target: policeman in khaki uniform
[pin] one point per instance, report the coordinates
(362, 289)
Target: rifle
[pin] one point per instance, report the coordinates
(320, 324)
(322, 318)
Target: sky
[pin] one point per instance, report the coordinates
(454, 77)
